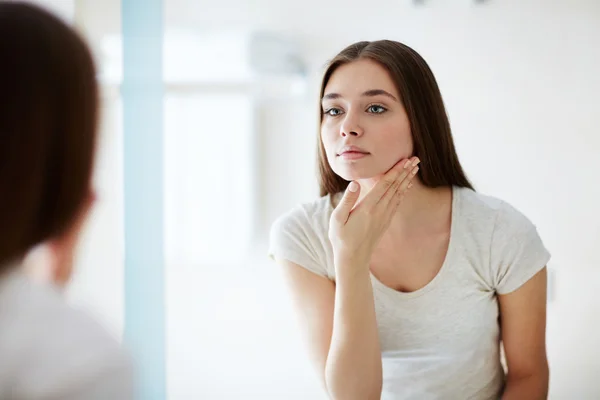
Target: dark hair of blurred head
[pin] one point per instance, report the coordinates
(48, 127)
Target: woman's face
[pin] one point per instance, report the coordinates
(364, 129)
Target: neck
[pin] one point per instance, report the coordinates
(421, 206)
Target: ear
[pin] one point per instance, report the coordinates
(63, 248)
(39, 264)
(53, 261)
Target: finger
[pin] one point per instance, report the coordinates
(402, 184)
(397, 199)
(393, 201)
(408, 172)
(343, 209)
(390, 195)
(406, 183)
(400, 197)
(398, 172)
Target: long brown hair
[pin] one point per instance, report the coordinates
(48, 122)
(421, 97)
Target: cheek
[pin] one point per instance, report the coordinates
(394, 145)
(328, 137)
(406, 141)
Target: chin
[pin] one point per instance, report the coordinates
(354, 172)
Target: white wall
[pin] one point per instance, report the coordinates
(520, 80)
(63, 8)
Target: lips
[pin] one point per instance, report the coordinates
(352, 153)
(347, 150)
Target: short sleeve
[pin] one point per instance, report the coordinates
(292, 238)
(517, 251)
(113, 381)
(72, 358)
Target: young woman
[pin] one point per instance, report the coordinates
(48, 118)
(406, 280)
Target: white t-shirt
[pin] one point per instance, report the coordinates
(441, 341)
(50, 351)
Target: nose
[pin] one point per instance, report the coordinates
(351, 125)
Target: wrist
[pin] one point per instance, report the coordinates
(345, 261)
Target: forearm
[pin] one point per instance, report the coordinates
(531, 387)
(353, 369)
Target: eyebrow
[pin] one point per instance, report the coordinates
(368, 93)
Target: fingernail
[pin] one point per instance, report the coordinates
(415, 170)
(416, 161)
(410, 185)
(353, 186)
(407, 164)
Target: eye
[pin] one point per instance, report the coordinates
(376, 109)
(333, 112)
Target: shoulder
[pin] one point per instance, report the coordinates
(301, 236)
(308, 216)
(508, 239)
(502, 217)
(60, 349)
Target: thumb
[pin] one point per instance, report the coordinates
(348, 201)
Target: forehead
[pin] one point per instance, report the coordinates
(357, 77)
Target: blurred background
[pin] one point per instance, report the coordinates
(520, 79)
